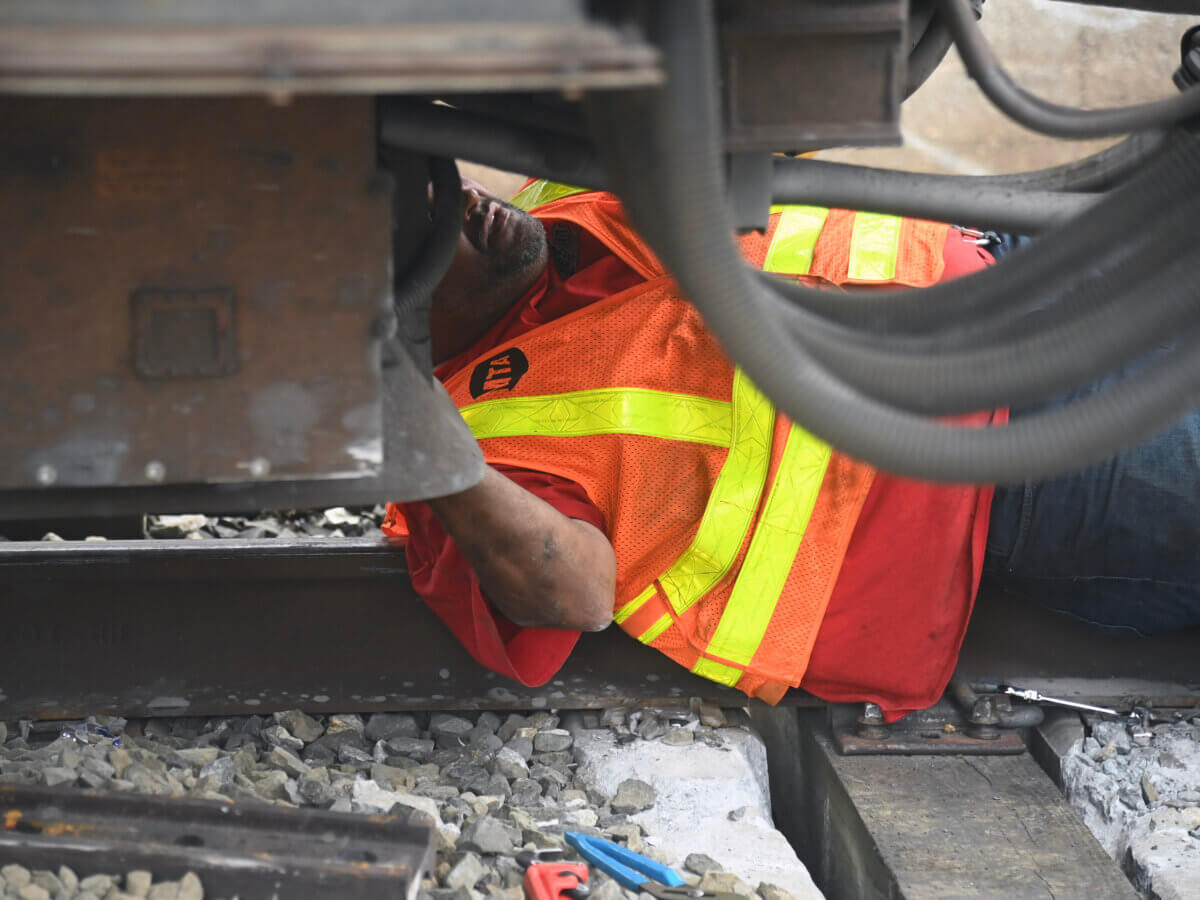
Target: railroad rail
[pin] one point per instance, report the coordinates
(223, 627)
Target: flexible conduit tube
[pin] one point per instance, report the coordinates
(1145, 292)
(675, 194)
(1027, 281)
(1050, 118)
(1098, 171)
(922, 196)
(1027, 370)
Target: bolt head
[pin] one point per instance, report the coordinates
(155, 471)
(45, 474)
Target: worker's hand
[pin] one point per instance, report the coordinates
(538, 566)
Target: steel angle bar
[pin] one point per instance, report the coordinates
(360, 46)
(188, 627)
(253, 852)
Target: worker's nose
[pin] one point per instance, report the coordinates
(472, 197)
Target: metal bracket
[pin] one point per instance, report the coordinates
(940, 730)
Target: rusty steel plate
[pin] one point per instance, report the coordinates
(191, 291)
(940, 730)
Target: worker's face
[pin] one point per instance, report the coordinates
(501, 252)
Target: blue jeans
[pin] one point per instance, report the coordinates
(1117, 544)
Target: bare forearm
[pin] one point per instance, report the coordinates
(537, 565)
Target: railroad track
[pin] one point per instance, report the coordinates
(236, 627)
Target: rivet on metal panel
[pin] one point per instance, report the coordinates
(155, 471)
(46, 475)
(257, 467)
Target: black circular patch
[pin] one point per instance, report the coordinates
(499, 373)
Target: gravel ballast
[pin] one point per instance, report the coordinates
(1138, 790)
(490, 784)
(16, 881)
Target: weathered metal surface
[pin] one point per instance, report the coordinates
(251, 243)
(251, 851)
(940, 730)
(427, 452)
(925, 827)
(361, 46)
(195, 310)
(800, 76)
(227, 627)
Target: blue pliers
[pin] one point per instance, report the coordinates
(636, 872)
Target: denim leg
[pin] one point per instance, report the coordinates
(1116, 544)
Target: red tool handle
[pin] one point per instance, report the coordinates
(553, 881)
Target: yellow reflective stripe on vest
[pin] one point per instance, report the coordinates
(793, 495)
(648, 636)
(874, 245)
(715, 671)
(795, 239)
(772, 550)
(543, 192)
(677, 417)
(728, 514)
(718, 539)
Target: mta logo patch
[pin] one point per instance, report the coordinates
(499, 373)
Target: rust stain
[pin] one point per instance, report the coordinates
(76, 829)
(12, 817)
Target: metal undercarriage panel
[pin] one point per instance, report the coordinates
(284, 48)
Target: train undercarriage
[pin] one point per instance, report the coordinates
(214, 292)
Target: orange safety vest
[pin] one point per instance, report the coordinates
(729, 523)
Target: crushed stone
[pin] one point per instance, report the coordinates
(1138, 790)
(490, 785)
(16, 881)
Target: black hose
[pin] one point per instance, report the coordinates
(1098, 171)
(1031, 368)
(1041, 115)
(1028, 282)
(661, 147)
(413, 291)
(923, 196)
(441, 130)
(1006, 359)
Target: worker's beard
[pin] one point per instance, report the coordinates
(524, 247)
